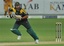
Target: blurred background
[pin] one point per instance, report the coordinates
(43, 15)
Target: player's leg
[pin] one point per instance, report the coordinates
(5, 9)
(30, 30)
(15, 30)
(10, 5)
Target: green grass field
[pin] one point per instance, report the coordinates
(40, 45)
(44, 28)
(44, 45)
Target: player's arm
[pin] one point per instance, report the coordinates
(23, 12)
(21, 17)
(25, 17)
(10, 9)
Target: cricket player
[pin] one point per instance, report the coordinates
(21, 19)
(7, 5)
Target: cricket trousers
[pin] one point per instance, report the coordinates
(27, 26)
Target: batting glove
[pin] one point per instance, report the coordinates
(17, 17)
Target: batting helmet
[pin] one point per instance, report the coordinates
(17, 3)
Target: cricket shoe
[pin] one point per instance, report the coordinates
(19, 37)
(36, 41)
